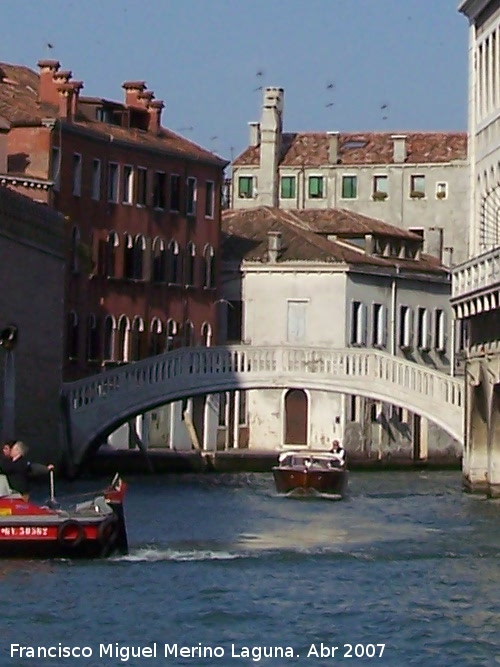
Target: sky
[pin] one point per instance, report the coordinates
(347, 65)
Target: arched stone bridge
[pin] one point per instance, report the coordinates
(96, 405)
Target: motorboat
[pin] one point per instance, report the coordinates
(94, 528)
(309, 472)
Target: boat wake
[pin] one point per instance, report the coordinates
(310, 494)
(155, 554)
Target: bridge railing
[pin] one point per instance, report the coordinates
(245, 360)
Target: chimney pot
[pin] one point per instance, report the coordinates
(132, 90)
(155, 108)
(273, 246)
(47, 91)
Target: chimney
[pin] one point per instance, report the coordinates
(271, 127)
(399, 147)
(77, 86)
(254, 139)
(433, 242)
(155, 108)
(273, 246)
(145, 98)
(369, 244)
(132, 90)
(65, 100)
(333, 147)
(47, 91)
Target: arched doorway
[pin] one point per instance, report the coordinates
(296, 412)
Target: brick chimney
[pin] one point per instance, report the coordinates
(145, 98)
(132, 91)
(77, 86)
(155, 107)
(47, 90)
(65, 100)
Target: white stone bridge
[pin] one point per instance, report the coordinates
(97, 405)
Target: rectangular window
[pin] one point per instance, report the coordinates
(316, 187)
(417, 186)
(128, 184)
(175, 192)
(234, 312)
(191, 196)
(440, 330)
(349, 187)
(142, 186)
(287, 187)
(159, 186)
(405, 327)
(423, 329)
(441, 190)
(378, 325)
(296, 321)
(77, 174)
(113, 182)
(55, 167)
(380, 187)
(245, 187)
(96, 180)
(209, 199)
(358, 323)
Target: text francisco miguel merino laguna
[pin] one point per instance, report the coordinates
(124, 653)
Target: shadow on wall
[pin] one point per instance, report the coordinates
(18, 163)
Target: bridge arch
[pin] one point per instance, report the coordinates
(97, 405)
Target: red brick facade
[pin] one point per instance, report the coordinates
(142, 207)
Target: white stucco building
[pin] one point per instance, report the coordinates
(330, 279)
(415, 180)
(476, 282)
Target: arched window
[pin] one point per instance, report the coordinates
(128, 257)
(206, 334)
(75, 244)
(123, 339)
(174, 264)
(172, 330)
(156, 337)
(209, 267)
(138, 261)
(108, 351)
(107, 255)
(136, 339)
(159, 261)
(92, 338)
(72, 335)
(190, 263)
(188, 334)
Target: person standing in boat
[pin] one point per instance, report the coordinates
(339, 452)
(19, 469)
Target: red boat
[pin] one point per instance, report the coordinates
(92, 529)
(302, 473)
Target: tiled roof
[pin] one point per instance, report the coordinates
(304, 238)
(310, 149)
(19, 105)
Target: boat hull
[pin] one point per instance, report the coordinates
(95, 529)
(328, 482)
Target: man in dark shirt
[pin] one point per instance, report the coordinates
(19, 469)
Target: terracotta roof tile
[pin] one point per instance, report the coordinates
(19, 106)
(310, 149)
(304, 238)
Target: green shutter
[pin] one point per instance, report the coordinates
(287, 187)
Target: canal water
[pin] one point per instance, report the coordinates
(222, 571)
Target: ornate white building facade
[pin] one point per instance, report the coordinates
(476, 282)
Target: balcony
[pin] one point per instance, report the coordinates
(476, 283)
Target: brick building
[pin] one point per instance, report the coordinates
(31, 235)
(142, 207)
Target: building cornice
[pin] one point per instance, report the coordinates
(472, 8)
(25, 181)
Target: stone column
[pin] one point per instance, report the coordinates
(420, 438)
(476, 431)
